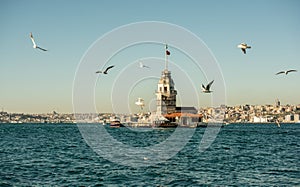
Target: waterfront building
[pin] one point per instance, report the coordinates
(260, 119)
(296, 118)
(292, 118)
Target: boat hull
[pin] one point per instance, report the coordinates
(166, 125)
(116, 124)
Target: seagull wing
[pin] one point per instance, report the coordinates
(143, 66)
(280, 72)
(244, 50)
(108, 69)
(203, 87)
(98, 71)
(292, 70)
(209, 85)
(31, 37)
(41, 48)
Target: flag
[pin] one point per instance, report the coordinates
(167, 51)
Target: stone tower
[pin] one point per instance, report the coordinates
(166, 93)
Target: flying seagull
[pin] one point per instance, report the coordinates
(140, 102)
(34, 44)
(286, 72)
(243, 47)
(206, 89)
(105, 71)
(143, 66)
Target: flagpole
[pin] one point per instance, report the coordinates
(166, 57)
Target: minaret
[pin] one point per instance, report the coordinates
(166, 93)
(277, 103)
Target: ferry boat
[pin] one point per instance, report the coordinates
(115, 122)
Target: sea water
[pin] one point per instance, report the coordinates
(241, 155)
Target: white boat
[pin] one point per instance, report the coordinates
(115, 122)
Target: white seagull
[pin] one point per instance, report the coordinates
(206, 89)
(34, 44)
(140, 102)
(286, 72)
(105, 71)
(143, 66)
(243, 47)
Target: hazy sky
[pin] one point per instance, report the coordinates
(36, 82)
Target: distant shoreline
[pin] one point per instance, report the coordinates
(238, 123)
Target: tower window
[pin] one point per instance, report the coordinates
(165, 89)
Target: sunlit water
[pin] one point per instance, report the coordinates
(241, 155)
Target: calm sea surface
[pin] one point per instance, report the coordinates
(241, 155)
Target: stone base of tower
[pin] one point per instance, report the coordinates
(166, 94)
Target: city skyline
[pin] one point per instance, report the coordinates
(34, 81)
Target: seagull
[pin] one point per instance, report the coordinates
(206, 89)
(286, 72)
(105, 71)
(143, 66)
(34, 44)
(243, 47)
(140, 102)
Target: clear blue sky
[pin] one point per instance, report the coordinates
(36, 82)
